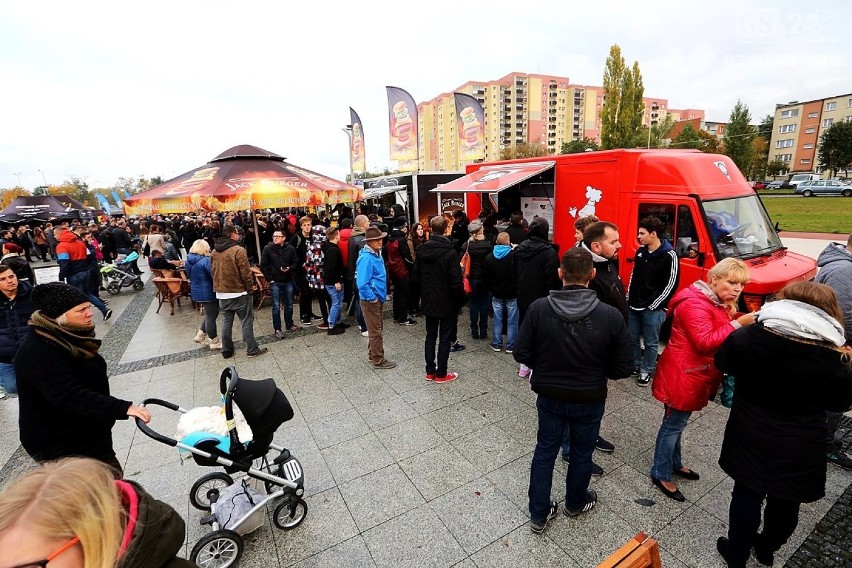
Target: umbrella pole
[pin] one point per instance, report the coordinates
(256, 234)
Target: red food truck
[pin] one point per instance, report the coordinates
(708, 209)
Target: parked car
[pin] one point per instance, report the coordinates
(777, 184)
(823, 187)
(759, 184)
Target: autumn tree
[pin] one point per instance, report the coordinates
(577, 146)
(739, 138)
(7, 195)
(688, 138)
(761, 157)
(710, 143)
(657, 136)
(835, 148)
(525, 150)
(623, 107)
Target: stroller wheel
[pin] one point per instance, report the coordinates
(289, 515)
(114, 288)
(138, 285)
(218, 549)
(199, 494)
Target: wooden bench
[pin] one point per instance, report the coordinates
(639, 552)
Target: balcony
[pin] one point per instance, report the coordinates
(553, 95)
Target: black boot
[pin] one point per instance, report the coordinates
(722, 546)
(763, 555)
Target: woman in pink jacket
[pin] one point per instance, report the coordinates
(686, 379)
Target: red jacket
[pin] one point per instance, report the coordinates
(344, 245)
(686, 377)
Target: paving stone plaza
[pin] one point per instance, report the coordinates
(403, 472)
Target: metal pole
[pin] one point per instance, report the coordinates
(44, 179)
(348, 131)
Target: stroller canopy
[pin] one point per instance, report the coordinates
(263, 405)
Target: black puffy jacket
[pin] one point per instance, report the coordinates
(436, 267)
(13, 321)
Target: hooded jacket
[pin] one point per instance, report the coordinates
(200, 275)
(537, 268)
(686, 377)
(573, 343)
(72, 255)
(607, 283)
(400, 263)
(499, 272)
(835, 270)
(155, 531)
(333, 268)
(654, 278)
(230, 267)
(437, 269)
(372, 278)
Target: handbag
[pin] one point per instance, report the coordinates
(146, 250)
(726, 396)
(465, 264)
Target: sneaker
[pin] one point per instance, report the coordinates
(644, 380)
(604, 446)
(524, 373)
(538, 528)
(200, 337)
(455, 347)
(365, 333)
(2, 393)
(336, 330)
(343, 325)
(316, 317)
(227, 354)
(591, 501)
(293, 327)
(278, 334)
(107, 315)
(257, 352)
(215, 343)
(430, 376)
(446, 378)
(839, 458)
(409, 321)
(386, 364)
(323, 327)
(496, 348)
(307, 322)
(509, 351)
(636, 371)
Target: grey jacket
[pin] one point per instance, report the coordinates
(835, 270)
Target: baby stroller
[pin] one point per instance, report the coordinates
(118, 275)
(265, 408)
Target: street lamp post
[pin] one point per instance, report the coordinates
(19, 178)
(348, 131)
(43, 178)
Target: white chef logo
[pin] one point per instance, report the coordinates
(724, 169)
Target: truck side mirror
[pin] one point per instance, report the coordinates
(777, 227)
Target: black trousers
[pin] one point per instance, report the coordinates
(780, 519)
(440, 330)
(306, 296)
(400, 299)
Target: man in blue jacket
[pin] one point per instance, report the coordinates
(573, 343)
(372, 281)
(16, 311)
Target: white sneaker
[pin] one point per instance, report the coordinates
(365, 334)
(216, 343)
(200, 337)
(2, 393)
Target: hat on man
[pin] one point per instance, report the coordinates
(474, 226)
(400, 222)
(56, 298)
(373, 233)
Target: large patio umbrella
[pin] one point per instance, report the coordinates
(242, 177)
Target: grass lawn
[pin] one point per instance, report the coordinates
(811, 214)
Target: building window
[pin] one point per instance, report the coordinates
(805, 161)
(830, 106)
(786, 128)
(784, 157)
(813, 114)
(810, 130)
(827, 122)
(784, 143)
(807, 146)
(789, 113)
(849, 105)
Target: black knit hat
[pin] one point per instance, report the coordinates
(56, 298)
(400, 222)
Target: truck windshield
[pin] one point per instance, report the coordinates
(740, 227)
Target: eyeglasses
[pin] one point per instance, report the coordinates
(54, 556)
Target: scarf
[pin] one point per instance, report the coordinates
(799, 320)
(79, 340)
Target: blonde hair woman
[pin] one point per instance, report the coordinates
(198, 270)
(73, 513)
(685, 379)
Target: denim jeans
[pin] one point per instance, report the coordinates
(667, 449)
(241, 307)
(8, 382)
(646, 324)
(282, 290)
(553, 417)
(334, 316)
(208, 324)
(509, 308)
(359, 313)
(480, 302)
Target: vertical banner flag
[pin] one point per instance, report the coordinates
(403, 127)
(356, 149)
(471, 127)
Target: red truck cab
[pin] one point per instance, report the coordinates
(707, 207)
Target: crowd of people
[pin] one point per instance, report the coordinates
(568, 321)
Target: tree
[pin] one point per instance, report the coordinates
(835, 148)
(711, 144)
(688, 138)
(623, 106)
(7, 195)
(525, 150)
(764, 129)
(739, 138)
(761, 156)
(577, 146)
(776, 168)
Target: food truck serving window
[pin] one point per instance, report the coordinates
(493, 179)
(740, 227)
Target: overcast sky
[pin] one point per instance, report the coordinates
(100, 90)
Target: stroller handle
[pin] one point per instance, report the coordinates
(151, 433)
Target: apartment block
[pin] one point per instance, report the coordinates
(799, 126)
(522, 108)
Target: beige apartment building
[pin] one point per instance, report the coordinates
(798, 127)
(523, 108)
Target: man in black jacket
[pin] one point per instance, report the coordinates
(652, 284)
(517, 233)
(574, 343)
(437, 268)
(333, 273)
(603, 241)
(278, 263)
(17, 307)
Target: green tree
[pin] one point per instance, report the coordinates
(761, 157)
(577, 146)
(776, 168)
(764, 129)
(623, 106)
(835, 148)
(525, 150)
(711, 144)
(657, 136)
(688, 138)
(739, 138)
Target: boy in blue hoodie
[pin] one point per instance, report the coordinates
(499, 272)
